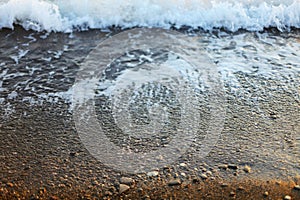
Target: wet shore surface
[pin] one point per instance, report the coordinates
(256, 155)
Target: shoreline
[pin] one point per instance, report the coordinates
(43, 157)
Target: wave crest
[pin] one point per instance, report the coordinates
(67, 15)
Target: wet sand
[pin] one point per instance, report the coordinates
(159, 189)
(42, 156)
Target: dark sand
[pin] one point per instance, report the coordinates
(42, 156)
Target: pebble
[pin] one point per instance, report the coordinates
(287, 197)
(241, 188)
(195, 180)
(10, 184)
(209, 173)
(223, 166)
(174, 182)
(273, 115)
(123, 188)
(153, 173)
(73, 154)
(232, 166)
(108, 193)
(43, 190)
(297, 187)
(182, 165)
(203, 176)
(247, 169)
(266, 194)
(140, 190)
(61, 185)
(146, 197)
(126, 180)
(278, 182)
(94, 182)
(166, 167)
(224, 185)
(232, 194)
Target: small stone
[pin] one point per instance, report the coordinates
(112, 189)
(203, 176)
(53, 198)
(146, 197)
(94, 182)
(266, 194)
(174, 182)
(224, 185)
(223, 166)
(123, 188)
(182, 165)
(233, 166)
(43, 190)
(73, 154)
(247, 169)
(297, 187)
(61, 185)
(195, 180)
(153, 173)
(186, 184)
(232, 194)
(287, 197)
(9, 184)
(166, 167)
(241, 188)
(105, 176)
(108, 193)
(278, 182)
(127, 181)
(140, 190)
(209, 173)
(273, 115)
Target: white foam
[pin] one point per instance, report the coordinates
(12, 95)
(20, 55)
(64, 15)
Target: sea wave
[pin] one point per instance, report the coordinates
(70, 15)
